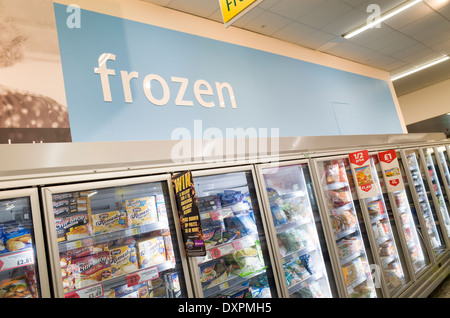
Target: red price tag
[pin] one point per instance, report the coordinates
(142, 276)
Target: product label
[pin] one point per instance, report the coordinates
(363, 174)
(391, 171)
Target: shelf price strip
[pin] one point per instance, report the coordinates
(16, 260)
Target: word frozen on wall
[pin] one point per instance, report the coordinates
(201, 88)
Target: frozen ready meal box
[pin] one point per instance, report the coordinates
(152, 251)
(73, 227)
(123, 260)
(91, 269)
(140, 211)
(108, 222)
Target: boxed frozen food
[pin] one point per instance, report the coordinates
(15, 239)
(123, 260)
(213, 273)
(108, 222)
(73, 227)
(91, 269)
(161, 208)
(140, 211)
(151, 251)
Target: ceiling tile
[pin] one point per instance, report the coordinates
(249, 16)
(422, 24)
(325, 13)
(267, 4)
(315, 39)
(345, 23)
(412, 14)
(267, 23)
(295, 9)
(197, 7)
(293, 32)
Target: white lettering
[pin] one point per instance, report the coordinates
(201, 87)
(148, 93)
(104, 72)
(184, 84)
(199, 92)
(126, 78)
(220, 87)
(74, 19)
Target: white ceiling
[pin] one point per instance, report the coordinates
(410, 39)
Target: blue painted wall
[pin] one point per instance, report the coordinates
(271, 91)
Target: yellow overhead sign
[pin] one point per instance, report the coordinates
(234, 9)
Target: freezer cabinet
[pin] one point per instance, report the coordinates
(116, 239)
(296, 231)
(416, 175)
(349, 250)
(23, 268)
(412, 226)
(436, 176)
(238, 262)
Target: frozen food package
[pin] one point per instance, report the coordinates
(140, 211)
(73, 227)
(307, 261)
(108, 222)
(123, 260)
(311, 290)
(15, 287)
(91, 269)
(212, 236)
(136, 291)
(151, 251)
(279, 217)
(16, 239)
(353, 271)
(249, 261)
(213, 273)
(347, 247)
(161, 208)
(209, 203)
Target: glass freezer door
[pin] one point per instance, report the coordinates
(343, 222)
(237, 262)
(403, 204)
(115, 239)
(22, 259)
(438, 187)
(445, 164)
(376, 214)
(421, 191)
(289, 193)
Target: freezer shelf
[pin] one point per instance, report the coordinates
(427, 208)
(296, 233)
(336, 191)
(111, 237)
(236, 264)
(18, 263)
(438, 189)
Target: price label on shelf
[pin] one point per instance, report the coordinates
(391, 170)
(222, 250)
(16, 260)
(93, 291)
(142, 276)
(363, 173)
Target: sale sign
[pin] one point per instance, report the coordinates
(363, 174)
(391, 171)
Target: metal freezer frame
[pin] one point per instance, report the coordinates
(33, 195)
(193, 264)
(268, 215)
(51, 230)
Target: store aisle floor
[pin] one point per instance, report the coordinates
(443, 290)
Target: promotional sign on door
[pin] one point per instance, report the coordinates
(189, 214)
(391, 171)
(363, 174)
